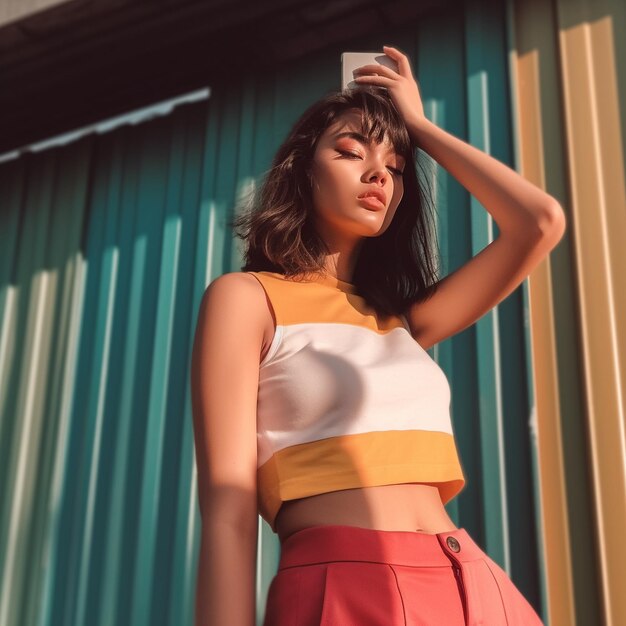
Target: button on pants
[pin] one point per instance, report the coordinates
(335, 575)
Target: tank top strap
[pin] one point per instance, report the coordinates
(275, 293)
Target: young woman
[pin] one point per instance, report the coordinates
(315, 402)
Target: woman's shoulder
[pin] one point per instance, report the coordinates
(240, 288)
(233, 280)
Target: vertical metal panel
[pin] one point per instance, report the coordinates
(96, 313)
(39, 319)
(591, 52)
(534, 64)
(569, 57)
(537, 128)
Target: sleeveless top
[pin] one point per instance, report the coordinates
(346, 399)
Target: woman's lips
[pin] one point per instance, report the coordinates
(372, 202)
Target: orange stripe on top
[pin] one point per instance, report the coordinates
(365, 460)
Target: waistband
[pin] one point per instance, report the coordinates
(334, 542)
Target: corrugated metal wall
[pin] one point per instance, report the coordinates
(107, 244)
(101, 273)
(569, 71)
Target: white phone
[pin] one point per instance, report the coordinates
(352, 60)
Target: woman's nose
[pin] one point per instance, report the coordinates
(378, 174)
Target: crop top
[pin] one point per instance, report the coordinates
(346, 398)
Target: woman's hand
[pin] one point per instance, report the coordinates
(402, 87)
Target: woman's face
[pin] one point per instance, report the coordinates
(344, 168)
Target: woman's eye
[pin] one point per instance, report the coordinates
(397, 172)
(348, 153)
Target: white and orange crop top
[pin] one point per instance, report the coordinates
(346, 399)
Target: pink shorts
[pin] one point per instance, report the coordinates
(335, 575)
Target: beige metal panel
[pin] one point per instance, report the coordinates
(534, 68)
(587, 39)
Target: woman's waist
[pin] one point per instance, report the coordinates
(404, 507)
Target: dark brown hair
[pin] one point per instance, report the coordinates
(393, 269)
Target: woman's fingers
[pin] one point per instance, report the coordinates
(381, 70)
(382, 81)
(402, 86)
(401, 59)
(404, 66)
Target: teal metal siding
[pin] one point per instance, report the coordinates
(106, 247)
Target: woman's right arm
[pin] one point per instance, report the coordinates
(224, 384)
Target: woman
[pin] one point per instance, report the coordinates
(315, 403)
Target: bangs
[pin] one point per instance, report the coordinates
(379, 118)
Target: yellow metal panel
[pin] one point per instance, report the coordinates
(534, 67)
(595, 159)
(570, 129)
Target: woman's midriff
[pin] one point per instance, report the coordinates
(408, 506)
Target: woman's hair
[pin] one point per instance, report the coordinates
(393, 269)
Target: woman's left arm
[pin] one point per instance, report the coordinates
(517, 206)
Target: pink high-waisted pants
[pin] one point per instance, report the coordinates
(335, 575)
